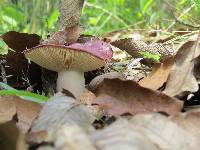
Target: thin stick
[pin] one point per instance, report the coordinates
(3, 71)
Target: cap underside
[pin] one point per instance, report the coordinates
(60, 58)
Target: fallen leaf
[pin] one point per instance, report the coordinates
(117, 97)
(58, 111)
(165, 133)
(151, 132)
(121, 135)
(22, 111)
(20, 41)
(7, 110)
(158, 75)
(181, 78)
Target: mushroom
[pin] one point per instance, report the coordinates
(71, 62)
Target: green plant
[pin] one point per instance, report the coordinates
(148, 55)
(23, 94)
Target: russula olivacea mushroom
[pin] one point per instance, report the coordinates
(71, 62)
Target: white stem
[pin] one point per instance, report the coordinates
(73, 81)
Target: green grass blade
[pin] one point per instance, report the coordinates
(25, 95)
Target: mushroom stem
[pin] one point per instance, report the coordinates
(73, 81)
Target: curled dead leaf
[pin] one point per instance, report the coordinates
(181, 77)
(158, 76)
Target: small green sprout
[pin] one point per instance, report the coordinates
(148, 55)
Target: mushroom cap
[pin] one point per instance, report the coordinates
(79, 56)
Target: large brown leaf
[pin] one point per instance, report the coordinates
(20, 41)
(117, 97)
(19, 110)
(151, 132)
(181, 78)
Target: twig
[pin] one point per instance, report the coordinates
(3, 71)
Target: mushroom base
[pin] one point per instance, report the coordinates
(73, 81)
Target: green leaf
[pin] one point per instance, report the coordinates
(25, 95)
(197, 3)
(13, 13)
(148, 55)
(145, 4)
(53, 18)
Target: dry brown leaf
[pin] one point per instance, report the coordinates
(58, 111)
(158, 76)
(22, 111)
(65, 37)
(70, 12)
(7, 110)
(20, 41)
(181, 78)
(117, 97)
